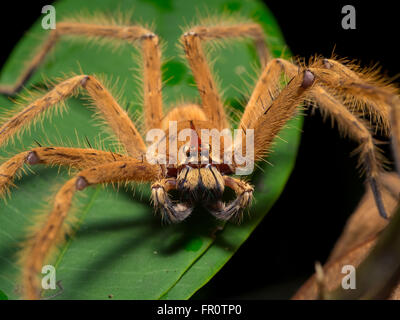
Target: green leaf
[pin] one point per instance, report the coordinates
(3, 296)
(121, 249)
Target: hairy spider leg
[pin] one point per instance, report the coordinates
(192, 44)
(51, 232)
(151, 55)
(263, 98)
(54, 156)
(107, 106)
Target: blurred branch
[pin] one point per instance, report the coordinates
(378, 273)
(359, 236)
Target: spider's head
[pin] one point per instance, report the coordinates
(199, 179)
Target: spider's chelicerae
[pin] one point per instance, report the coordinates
(200, 175)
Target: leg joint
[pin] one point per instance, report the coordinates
(32, 158)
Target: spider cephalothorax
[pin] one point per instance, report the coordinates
(197, 173)
(199, 177)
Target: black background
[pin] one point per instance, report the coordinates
(325, 186)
